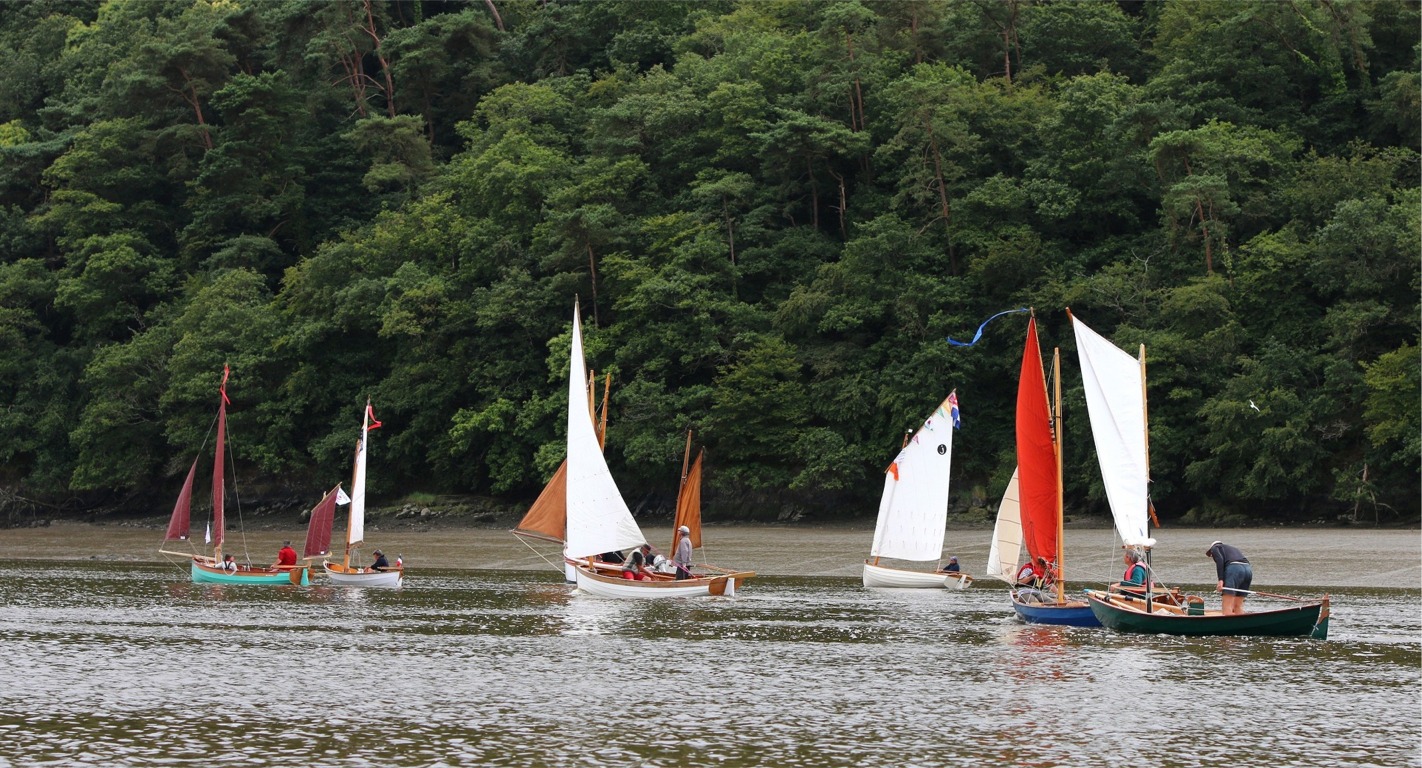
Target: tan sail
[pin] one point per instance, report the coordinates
(688, 499)
(547, 519)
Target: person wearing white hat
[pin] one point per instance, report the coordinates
(682, 558)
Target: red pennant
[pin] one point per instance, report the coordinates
(370, 415)
(223, 389)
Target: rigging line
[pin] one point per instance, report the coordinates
(541, 556)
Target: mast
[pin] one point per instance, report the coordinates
(218, 461)
(681, 488)
(350, 508)
(1145, 421)
(1057, 446)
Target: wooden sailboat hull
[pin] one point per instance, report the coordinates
(360, 578)
(1072, 613)
(883, 577)
(203, 573)
(1127, 615)
(603, 585)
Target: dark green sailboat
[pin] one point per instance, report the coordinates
(1127, 613)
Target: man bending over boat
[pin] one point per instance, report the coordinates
(1235, 576)
(380, 564)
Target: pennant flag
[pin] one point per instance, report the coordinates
(208, 537)
(370, 416)
(894, 470)
(979, 334)
(341, 497)
(223, 389)
(953, 409)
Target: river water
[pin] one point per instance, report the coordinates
(112, 657)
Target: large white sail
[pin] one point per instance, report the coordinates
(1006, 545)
(1115, 401)
(914, 507)
(598, 519)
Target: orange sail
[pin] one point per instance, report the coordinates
(688, 500)
(1036, 455)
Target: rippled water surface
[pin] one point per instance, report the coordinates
(127, 663)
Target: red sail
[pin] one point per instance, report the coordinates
(217, 487)
(179, 523)
(1036, 454)
(318, 531)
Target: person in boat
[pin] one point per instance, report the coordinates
(380, 564)
(1137, 577)
(1234, 576)
(286, 557)
(228, 564)
(682, 558)
(635, 567)
(1033, 573)
(951, 567)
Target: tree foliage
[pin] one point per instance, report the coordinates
(773, 214)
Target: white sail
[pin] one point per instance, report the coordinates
(1006, 535)
(1115, 401)
(356, 521)
(598, 519)
(914, 507)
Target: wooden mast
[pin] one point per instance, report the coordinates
(350, 508)
(1057, 444)
(680, 486)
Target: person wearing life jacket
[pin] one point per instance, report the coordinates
(1136, 580)
(1033, 573)
(635, 566)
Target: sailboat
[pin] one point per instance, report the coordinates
(598, 519)
(1039, 491)
(1115, 386)
(209, 569)
(344, 573)
(913, 509)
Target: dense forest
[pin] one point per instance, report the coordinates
(774, 214)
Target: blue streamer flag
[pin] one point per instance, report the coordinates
(979, 334)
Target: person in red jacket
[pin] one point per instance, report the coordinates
(286, 557)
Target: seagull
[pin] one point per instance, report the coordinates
(1255, 407)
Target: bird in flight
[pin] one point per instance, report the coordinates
(1255, 407)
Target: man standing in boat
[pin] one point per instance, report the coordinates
(682, 558)
(1235, 576)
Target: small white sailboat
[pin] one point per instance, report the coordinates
(345, 573)
(598, 519)
(913, 510)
